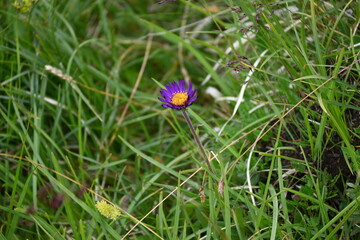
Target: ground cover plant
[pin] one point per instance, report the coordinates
(87, 151)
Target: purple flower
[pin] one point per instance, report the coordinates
(176, 96)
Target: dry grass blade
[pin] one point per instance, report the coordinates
(141, 73)
(287, 113)
(83, 187)
(157, 205)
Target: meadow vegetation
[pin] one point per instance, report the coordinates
(88, 152)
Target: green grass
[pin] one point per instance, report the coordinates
(81, 122)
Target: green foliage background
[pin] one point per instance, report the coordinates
(80, 119)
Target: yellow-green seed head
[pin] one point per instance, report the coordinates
(107, 210)
(23, 5)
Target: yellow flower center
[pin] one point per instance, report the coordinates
(179, 98)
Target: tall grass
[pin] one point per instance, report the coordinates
(278, 114)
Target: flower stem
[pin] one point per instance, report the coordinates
(197, 140)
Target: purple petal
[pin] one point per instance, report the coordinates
(190, 86)
(166, 105)
(177, 107)
(168, 87)
(176, 87)
(163, 100)
(166, 94)
(168, 97)
(192, 93)
(193, 98)
(182, 85)
(163, 92)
